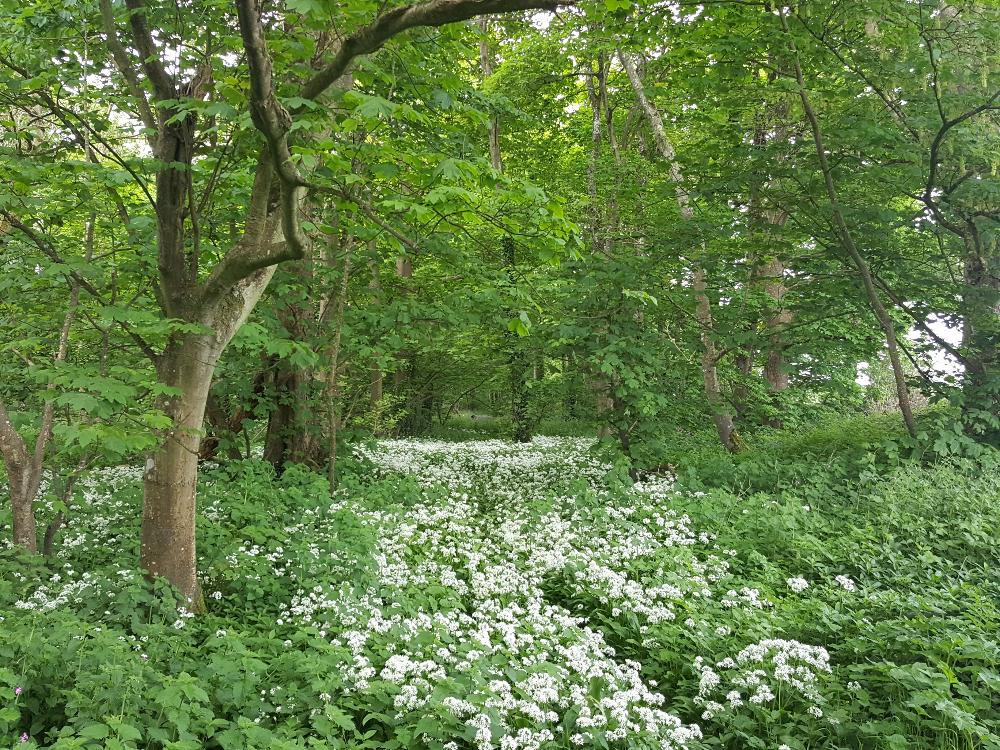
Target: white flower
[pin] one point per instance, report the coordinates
(797, 584)
(845, 582)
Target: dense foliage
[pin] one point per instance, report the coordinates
(518, 373)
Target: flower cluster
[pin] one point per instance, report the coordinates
(459, 597)
(762, 672)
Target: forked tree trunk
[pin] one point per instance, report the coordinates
(221, 299)
(171, 478)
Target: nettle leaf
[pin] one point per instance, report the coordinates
(371, 107)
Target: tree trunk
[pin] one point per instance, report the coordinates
(405, 366)
(23, 489)
(775, 375)
(171, 478)
(17, 461)
(847, 240)
(337, 305)
(600, 384)
(284, 440)
(288, 428)
(703, 307)
(981, 331)
(769, 270)
(224, 426)
(375, 285)
(24, 468)
(516, 361)
(713, 392)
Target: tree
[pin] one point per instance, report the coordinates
(181, 83)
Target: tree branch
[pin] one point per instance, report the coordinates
(919, 321)
(946, 126)
(163, 84)
(52, 254)
(397, 20)
(124, 65)
(274, 122)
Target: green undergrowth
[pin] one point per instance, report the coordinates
(874, 580)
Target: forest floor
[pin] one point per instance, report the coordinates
(489, 594)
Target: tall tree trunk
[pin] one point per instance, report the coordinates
(847, 239)
(486, 64)
(516, 361)
(405, 365)
(171, 477)
(225, 427)
(333, 372)
(517, 365)
(771, 274)
(709, 371)
(284, 440)
(981, 331)
(288, 430)
(703, 306)
(600, 384)
(375, 284)
(769, 268)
